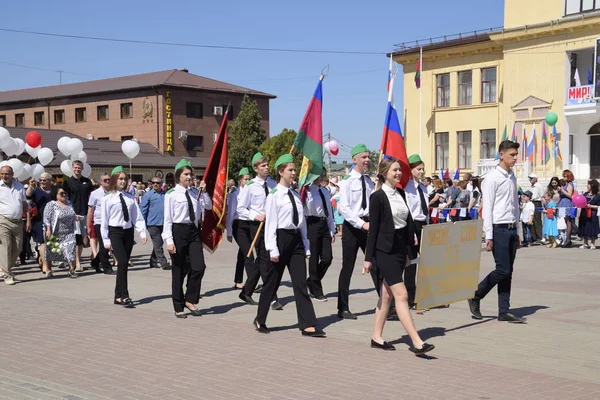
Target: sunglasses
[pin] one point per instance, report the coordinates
(156, 183)
(106, 180)
(61, 193)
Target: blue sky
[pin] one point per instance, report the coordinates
(354, 91)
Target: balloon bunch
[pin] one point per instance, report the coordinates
(331, 147)
(73, 148)
(32, 145)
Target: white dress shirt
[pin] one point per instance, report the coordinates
(11, 200)
(350, 205)
(313, 206)
(96, 202)
(177, 210)
(500, 200)
(399, 207)
(528, 211)
(537, 192)
(414, 200)
(280, 214)
(251, 201)
(232, 214)
(112, 215)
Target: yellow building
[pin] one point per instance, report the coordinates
(473, 85)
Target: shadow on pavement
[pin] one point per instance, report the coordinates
(525, 311)
(148, 300)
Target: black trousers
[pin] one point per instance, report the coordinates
(157, 258)
(410, 272)
(321, 256)
(291, 254)
(121, 241)
(255, 267)
(504, 251)
(352, 240)
(536, 232)
(102, 258)
(239, 264)
(188, 260)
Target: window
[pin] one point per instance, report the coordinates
(488, 85)
(464, 149)
(19, 120)
(441, 150)
(579, 6)
(465, 86)
(193, 110)
(38, 118)
(102, 113)
(230, 111)
(137, 178)
(124, 138)
(571, 143)
(488, 143)
(80, 114)
(59, 117)
(195, 143)
(2, 120)
(126, 110)
(443, 90)
(103, 138)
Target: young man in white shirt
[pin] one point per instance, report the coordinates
(500, 221)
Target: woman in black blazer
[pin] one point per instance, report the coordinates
(391, 232)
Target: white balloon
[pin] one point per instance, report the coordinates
(87, 170)
(4, 136)
(11, 147)
(75, 146)
(3, 163)
(33, 152)
(63, 144)
(16, 165)
(36, 171)
(25, 173)
(20, 146)
(130, 148)
(81, 157)
(65, 167)
(326, 146)
(45, 155)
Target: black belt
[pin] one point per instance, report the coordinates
(289, 231)
(311, 218)
(511, 226)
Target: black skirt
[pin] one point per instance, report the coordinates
(391, 265)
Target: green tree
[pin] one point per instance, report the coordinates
(280, 144)
(374, 161)
(245, 137)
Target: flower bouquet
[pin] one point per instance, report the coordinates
(53, 244)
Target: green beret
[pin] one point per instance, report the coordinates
(183, 163)
(117, 170)
(256, 157)
(415, 158)
(359, 148)
(284, 159)
(244, 171)
(346, 177)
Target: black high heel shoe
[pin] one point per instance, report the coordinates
(261, 328)
(195, 312)
(424, 349)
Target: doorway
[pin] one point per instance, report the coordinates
(594, 134)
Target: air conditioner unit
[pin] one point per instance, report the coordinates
(217, 110)
(89, 136)
(183, 134)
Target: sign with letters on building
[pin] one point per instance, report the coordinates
(169, 121)
(580, 94)
(449, 263)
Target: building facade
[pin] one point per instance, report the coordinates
(177, 112)
(473, 86)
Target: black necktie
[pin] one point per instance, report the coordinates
(363, 205)
(190, 206)
(293, 200)
(124, 208)
(266, 189)
(424, 205)
(324, 203)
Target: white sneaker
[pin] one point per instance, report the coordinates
(9, 280)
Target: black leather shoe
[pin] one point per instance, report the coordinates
(195, 312)
(424, 349)
(128, 303)
(317, 333)
(276, 305)
(108, 271)
(474, 307)
(346, 315)
(247, 299)
(508, 317)
(382, 346)
(261, 328)
(182, 315)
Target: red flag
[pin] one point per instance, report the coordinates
(215, 177)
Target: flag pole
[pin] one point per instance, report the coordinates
(420, 105)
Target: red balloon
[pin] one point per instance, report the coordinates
(334, 151)
(33, 139)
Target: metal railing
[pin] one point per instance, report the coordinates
(441, 39)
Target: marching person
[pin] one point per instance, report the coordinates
(233, 227)
(182, 234)
(537, 192)
(500, 223)
(120, 215)
(287, 244)
(40, 196)
(391, 233)
(59, 219)
(153, 211)
(416, 197)
(354, 207)
(321, 234)
(251, 212)
(101, 262)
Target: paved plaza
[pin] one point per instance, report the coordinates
(63, 338)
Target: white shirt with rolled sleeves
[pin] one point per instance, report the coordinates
(177, 211)
(232, 214)
(11, 200)
(280, 214)
(251, 201)
(112, 215)
(313, 206)
(350, 204)
(500, 200)
(96, 202)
